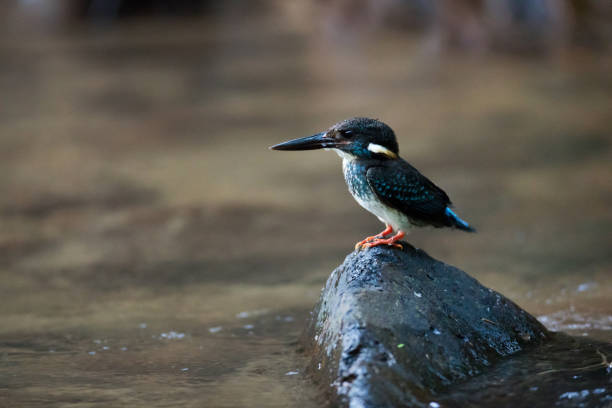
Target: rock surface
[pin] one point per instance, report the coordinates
(396, 328)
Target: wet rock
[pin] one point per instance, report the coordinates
(396, 328)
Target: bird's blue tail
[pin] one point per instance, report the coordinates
(458, 222)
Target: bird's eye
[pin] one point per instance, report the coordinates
(347, 134)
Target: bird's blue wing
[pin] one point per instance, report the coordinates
(401, 186)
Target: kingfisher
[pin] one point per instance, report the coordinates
(382, 182)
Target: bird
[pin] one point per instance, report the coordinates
(381, 181)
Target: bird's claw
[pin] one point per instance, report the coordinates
(375, 241)
(388, 230)
(365, 245)
(381, 242)
(379, 239)
(361, 244)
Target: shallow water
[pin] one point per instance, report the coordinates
(153, 252)
(566, 372)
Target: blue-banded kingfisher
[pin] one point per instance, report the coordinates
(382, 182)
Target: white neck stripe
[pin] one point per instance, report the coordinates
(376, 148)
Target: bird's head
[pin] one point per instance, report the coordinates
(355, 138)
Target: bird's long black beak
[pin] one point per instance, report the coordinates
(318, 141)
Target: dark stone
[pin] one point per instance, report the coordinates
(396, 328)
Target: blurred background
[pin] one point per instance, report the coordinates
(154, 252)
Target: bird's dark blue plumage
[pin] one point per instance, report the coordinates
(382, 182)
(401, 186)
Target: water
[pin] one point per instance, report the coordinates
(567, 372)
(153, 252)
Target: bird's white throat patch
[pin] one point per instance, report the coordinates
(376, 148)
(344, 155)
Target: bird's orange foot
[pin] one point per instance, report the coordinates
(380, 235)
(389, 241)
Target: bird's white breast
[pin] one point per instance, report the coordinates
(370, 202)
(386, 214)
